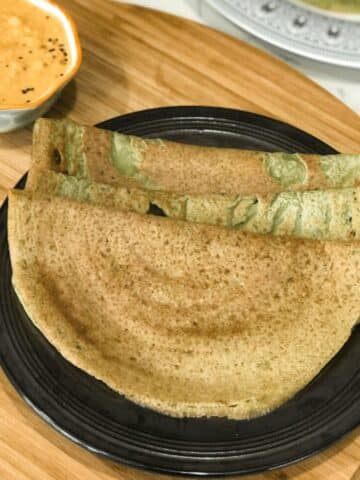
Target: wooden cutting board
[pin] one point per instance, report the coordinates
(133, 59)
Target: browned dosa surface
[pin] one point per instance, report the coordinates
(183, 318)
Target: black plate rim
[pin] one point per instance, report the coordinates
(216, 113)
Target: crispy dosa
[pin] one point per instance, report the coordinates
(328, 214)
(187, 319)
(106, 157)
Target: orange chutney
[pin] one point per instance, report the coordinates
(34, 52)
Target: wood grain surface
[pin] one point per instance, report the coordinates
(134, 59)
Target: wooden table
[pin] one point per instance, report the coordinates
(133, 59)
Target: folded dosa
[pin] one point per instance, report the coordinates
(327, 214)
(186, 319)
(112, 158)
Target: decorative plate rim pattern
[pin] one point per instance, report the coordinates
(295, 28)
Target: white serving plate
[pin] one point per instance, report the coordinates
(297, 28)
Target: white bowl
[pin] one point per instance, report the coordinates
(13, 117)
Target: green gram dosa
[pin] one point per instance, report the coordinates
(328, 214)
(187, 319)
(112, 158)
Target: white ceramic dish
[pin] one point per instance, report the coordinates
(296, 28)
(13, 117)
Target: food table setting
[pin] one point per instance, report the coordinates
(220, 340)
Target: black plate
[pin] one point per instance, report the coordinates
(89, 413)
